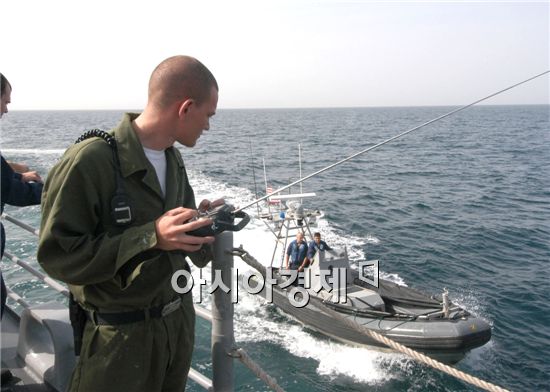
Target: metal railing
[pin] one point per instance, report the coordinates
(223, 345)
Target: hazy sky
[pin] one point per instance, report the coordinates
(99, 54)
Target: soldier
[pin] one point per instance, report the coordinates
(296, 253)
(115, 223)
(317, 245)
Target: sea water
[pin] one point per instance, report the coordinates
(462, 204)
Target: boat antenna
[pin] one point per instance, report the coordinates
(266, 188)
(254, 176)
(389, 140)
(300, 166)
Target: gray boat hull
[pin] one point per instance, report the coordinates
(444, 339)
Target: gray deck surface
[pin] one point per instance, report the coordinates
(22, 381)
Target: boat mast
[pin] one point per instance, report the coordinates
(266, 193)
(300, 168)
(254, 176)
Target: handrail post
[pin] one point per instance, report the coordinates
(222, 316)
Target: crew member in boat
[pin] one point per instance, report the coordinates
(296, 253)
(117, 229)
(317, 245)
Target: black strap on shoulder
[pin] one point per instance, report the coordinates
(110, 139)
(121, 210)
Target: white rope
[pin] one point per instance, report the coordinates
(256, 369)
(432, 362)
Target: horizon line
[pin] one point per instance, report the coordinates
(288, 108)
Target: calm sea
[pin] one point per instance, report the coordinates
(463, 204)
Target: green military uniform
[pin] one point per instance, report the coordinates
(115, 269)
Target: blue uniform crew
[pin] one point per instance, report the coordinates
(15, 190)
(297, 253)
(316, 245)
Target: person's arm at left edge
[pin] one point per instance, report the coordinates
(7, 175)
(20, 193)
(29, 176)
(19, 167)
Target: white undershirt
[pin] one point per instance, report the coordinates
(158, 160)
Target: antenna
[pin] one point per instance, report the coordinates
(254, 176)
(300, 166)
(389, 140)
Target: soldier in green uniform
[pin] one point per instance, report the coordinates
(118, 257)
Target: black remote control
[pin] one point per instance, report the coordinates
(223, 219)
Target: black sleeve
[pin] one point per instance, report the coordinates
(16, 192)
(7, 175)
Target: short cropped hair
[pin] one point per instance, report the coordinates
(178, 78)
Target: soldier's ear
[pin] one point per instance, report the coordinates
(185, 107)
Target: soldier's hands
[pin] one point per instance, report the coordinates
(207, 205)
(172, 228)
(29, 176)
